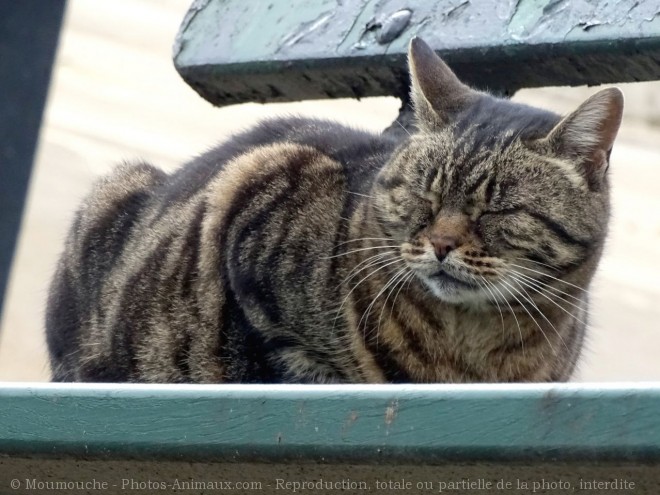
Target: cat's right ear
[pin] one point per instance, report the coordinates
(587, 135)
(435, 91)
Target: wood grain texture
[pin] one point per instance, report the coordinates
(274, 438)
(363, 424)
(286, 51)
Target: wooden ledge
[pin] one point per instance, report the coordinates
(277, 439)
(367, 424)
(231, 51)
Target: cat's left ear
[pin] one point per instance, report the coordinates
(435, 91)
(586, 136)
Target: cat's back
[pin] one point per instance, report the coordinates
(141, 198)
(137, 251)
(361, 153)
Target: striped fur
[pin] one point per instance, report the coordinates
(304, 251)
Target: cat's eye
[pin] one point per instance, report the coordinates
(472, 208)
(433, 200)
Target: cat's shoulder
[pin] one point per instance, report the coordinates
(338, 142)
(327, 136)
(126, 188)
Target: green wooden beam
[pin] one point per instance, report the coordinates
(557, 438)
(368, 424)
(232, 51)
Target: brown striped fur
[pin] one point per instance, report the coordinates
(305, 251)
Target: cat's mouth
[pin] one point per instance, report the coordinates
(452, 289)
(445, 278)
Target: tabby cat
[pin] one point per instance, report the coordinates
(304, 251)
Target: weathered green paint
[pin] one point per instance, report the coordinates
(127, 436)
(233, 51)
(368, 424)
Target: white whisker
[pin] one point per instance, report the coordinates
(360, 194)
(407, 281)
(371, 261)
(522, 341)
(383, 289)
(402, 127)
(365, 239)
(400, 275)
(384, 264)
(483, 284)
(527, 311)
(549, 276)
(357, 251)
(539, 263)
(547, 286)
(541, 292)
(527, 297)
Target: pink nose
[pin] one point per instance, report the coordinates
(443, 244)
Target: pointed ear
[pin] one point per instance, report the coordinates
(435, 91)
(586, 136)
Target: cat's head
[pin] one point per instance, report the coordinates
(490, 195)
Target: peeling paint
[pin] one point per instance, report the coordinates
(385, 28)
(391, 411)
(587, 25)
(512, 9)
(356, 19)
(455, 10)
(306, 29)
(236, 51)
(554, 6)
(652, 17)
(196, 7)
(633, 7)
(393, 25)
(301, 417)
(565, 18)
(349, 423)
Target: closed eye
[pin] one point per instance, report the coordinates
(432, 199)
(505, 211)
(552, 225)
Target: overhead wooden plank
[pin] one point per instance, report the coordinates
(369, 424)
(232, 51)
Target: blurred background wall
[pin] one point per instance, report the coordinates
(116, 96)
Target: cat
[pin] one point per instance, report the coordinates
(304, 251)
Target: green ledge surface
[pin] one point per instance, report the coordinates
(367, 424)
(233, 51)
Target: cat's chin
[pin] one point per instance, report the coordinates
(453, 290)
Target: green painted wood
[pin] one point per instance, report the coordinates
(233, 51)
(363, 424)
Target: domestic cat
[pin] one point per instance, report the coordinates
(304, 251)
